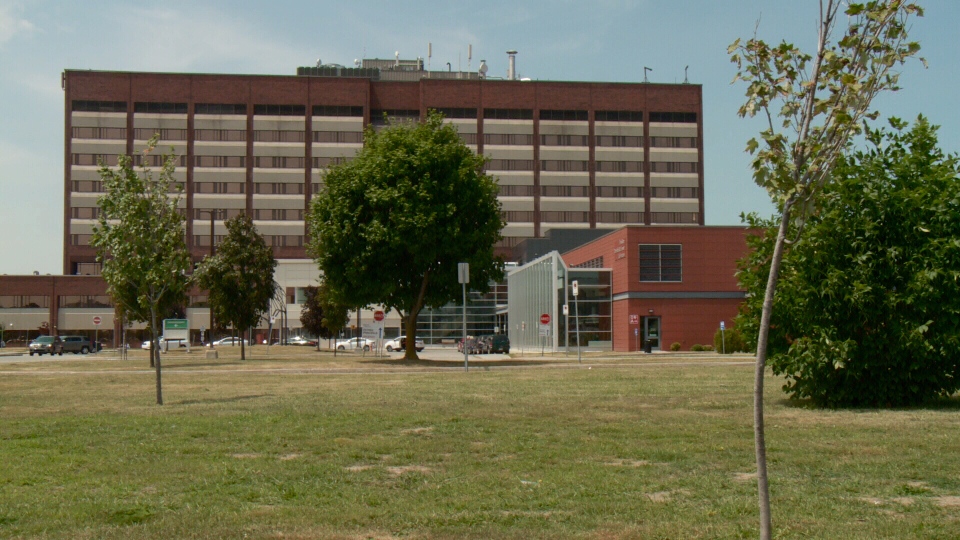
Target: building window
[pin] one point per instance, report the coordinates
(687, 218)
(563, 165)
(620, 166)
(620, 217)
(230, 135)
(337, 110)
(280, 110)
(35, 301)
(218, 187)
(508, 114)
(510, 165)
(622, 141)
(271, 135)
(99, 133)
(279, 162)
(154, 160)
(592, 263)
(516, 191)
(144, 134)
(661, 262)
(85, 212)
(618, 116)
(87, 269)
(468, 138)
(87, 186)
(99, 106)
(563, 140)
(565, 191)
(109, 160)
(675, 117)
(513, 139)
(152, 107)
(546, 114)
(457, 112)
(220, 161)
(675, 192)
(278, 188)
(283, 240)
(325, 162)
(353, 137)
(278, 214)
(80, 239)
(674, 167)
(380, 117)
(620, 191)
(203, 214)
(517, 216)
(673, 142)
(86, 301)
(221, 108)
(564, 217)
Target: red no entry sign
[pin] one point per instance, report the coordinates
(97, 321)
(545, 318)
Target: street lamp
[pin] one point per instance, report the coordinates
(213, 215)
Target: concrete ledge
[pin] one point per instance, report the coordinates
(212, 355)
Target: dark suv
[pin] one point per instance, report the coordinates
(78, 344)
(46, 344)
(497, 343)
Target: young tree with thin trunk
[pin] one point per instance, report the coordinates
(239, 277)
(813, 106)
(140, 244)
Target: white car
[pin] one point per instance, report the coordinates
(355, 343)
(399, 343)
(173, 343)
(229, 341)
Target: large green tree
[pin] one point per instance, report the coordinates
(812, 105)
(140, 244)
(869, 300)
(391, 225)
(239, 277)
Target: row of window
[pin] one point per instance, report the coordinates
(661, 262)
(24, 301)
(278, 214)
(357, 111)
(602, 191)
(272, 240)
(356, 137)
(86, 301)
(675, 217)
(592, 263)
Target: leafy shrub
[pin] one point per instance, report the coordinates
(675, 346)
(735, 341)
(697, 348)
(708, 347)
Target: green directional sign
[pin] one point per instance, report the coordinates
(175, 324)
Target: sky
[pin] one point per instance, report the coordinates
(559, 40)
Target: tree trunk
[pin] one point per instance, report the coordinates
(242, 348)
(155, 350)
(410, 327)
(763, 487)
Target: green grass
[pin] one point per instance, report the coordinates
(617, 451)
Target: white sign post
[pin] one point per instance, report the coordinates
(576, 316)
(463, 277)
(96, 339)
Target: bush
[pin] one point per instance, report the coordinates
(697, 348)
(734, 341)
(675, 346)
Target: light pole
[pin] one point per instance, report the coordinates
(576, 316)
(463, 276)
(213, 215)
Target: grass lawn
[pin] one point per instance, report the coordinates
(302, 445)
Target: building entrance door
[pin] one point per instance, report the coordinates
(651, 332)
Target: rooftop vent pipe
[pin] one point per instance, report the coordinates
(512, 66)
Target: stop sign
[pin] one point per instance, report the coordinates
(97, 321)
(378, 316)
(545, 318)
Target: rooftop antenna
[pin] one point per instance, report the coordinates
(685, 79)
(645, 70)
(469, 55)
(429, 54)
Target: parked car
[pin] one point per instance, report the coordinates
(78, 344)
(302, 341)
(400, 343)
(497, 343)
(355, 343)
(46, 344)
(173, 343)
(230, 342)
(474, 345)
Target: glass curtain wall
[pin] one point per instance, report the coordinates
(534, 289)
(593, 308)
(445, 324)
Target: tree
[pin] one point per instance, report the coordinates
(321, 315)
(393, 223)
(140, 244)
(813, 106)
(871, 295)
(239, 277)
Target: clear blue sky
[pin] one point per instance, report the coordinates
(600, 40)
